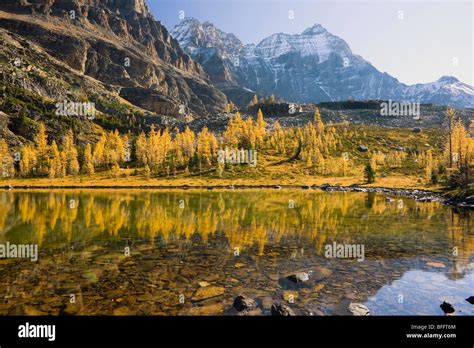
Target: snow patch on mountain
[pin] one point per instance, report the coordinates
(313, 66)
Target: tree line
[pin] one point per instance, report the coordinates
(318, 147)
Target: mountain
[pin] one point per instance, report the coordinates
(105, 49)
(314, 66)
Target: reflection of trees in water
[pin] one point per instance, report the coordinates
(247, 218)
(461, 233)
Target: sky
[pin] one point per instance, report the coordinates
(414, 41)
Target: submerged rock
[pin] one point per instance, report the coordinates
(299, 277)
(211, 309)
(33, 311)
(244, 303)
(207, 292)
(447, 307)
(359, 309)
(267, 302)
(253, 312)
(435, 264)
(279, 309)
(122, 311)
(320, 273)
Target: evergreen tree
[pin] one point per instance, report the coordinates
(206, 145)
(28, 161)
(55, 165)
(141, 149)
(98, 157)
(261, 125)
(70, 154)
(369, 173)
(254, 101)
(7, 169)
(88, 165)
(41, 142)
(318, 123)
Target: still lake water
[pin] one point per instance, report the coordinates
(191, 252)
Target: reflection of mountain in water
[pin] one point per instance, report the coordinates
(427, 291)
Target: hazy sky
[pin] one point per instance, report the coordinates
(414, 41)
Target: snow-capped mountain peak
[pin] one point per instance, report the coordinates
(192, 34)
(315, 41)
(447, 79)
(314, 30)
(313, 66)
(447, 90)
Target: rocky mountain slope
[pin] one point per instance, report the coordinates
(111, 52)
(314, 66)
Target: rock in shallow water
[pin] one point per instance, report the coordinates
(447, 307)
(435, 264)
(300, 277)
(243, 303)
(207, 292)
(212, 309)
(359, 309)
(282, 310)
(122, 311)
(470, 299)
(320, 273)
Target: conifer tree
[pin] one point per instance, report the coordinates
(254, 100)
(41, 142)
(369, 173)
(318, 123)
(98, 157)
(206, 143)
(88, 165)
(70, 153)
(141, 148)
(55, 165)
(261, 132)
(189, 139)
(7, 169)
(28, 161)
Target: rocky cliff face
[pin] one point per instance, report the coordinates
(314, 66)
(119, 43)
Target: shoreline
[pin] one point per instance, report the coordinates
(419, 195)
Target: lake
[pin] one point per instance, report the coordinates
(192, 252)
